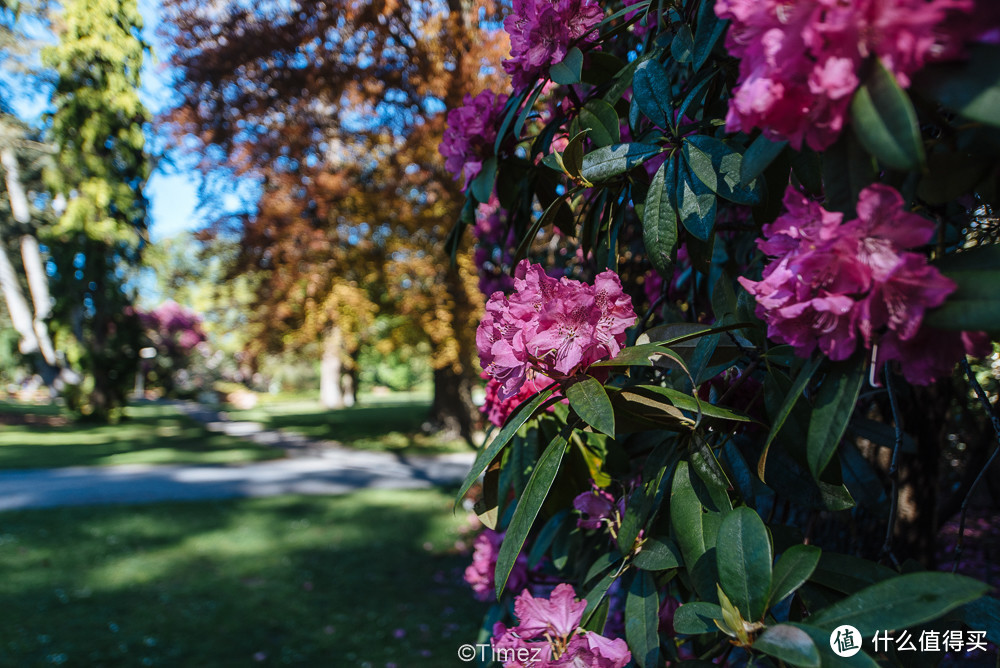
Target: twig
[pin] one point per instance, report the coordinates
(988, 407)
(893, 467)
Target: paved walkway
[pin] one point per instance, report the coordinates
(313, 467)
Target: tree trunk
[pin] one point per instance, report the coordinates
(330, 394)
(452, 410)
(17, 305)
(349, 385)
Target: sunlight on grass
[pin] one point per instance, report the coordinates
(370, 577)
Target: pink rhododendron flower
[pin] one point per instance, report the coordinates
(549, 632)
(541, 32)
(831, 283)
(800, 61)
(597, 508)
(557, 327)
(471, 132)
(481, 572)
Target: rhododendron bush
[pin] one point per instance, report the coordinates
(740, 264)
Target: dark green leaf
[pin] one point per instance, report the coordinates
(708, 32)
(884, 120)
(597, 593)
(547, 218)
(983, 615)
(682, 45)
(651, 91)
(744, 561)
(525, 111)
(758, 157)
(805, 374)
(608, 162)
(545, 536)
(697, 618)
(972, 87)
(975, 305)
(794, 567)
(720, 167)
(568, 71)
(696, 204)
(901, 602)
(789, 644)
(685, 515)
(641, 620)
(598, 618)
(482, 185)
(659, 224)
(486, 455)
(951, 175)
(600, 118)
(635, 356)
(657, 554)
(688, 402)
(590, 401)
(509, 114)
(527, 509)
(834, 405)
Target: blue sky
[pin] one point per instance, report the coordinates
(172, 189)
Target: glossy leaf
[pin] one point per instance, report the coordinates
(975, 305)
(682, 45)
(758, 157)
(601, 119)
(651, 91)
(482, 185)
(639, 355)
(900, 602)
(832, 411)
(590, 401)
(659, 218)
(657, 554)
(610, 161)
(696, 204)
(709, 30)
(521, 414)
(527, 509)
(821, 639)
(568, 71)
(697, 618)
(744, 561)
(885, 122)
(720, 167)
(970, 87)
(789, 644)
(794, 567)
(641, 620)
(805, 374)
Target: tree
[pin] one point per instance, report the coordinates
(338, 90)
(783, 265)
(100, 170)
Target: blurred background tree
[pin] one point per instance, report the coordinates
(336, 110)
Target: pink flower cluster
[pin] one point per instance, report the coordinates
(471, 132)
(555, 327)
(799, 61)
(832, 283)
(174, 328)
(549, 635)
(541, 32)
(481, 572)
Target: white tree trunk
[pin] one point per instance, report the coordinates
(38, 281)
(330, 395)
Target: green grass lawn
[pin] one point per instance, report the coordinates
(151, 434)
(378, 423)
(367, 579)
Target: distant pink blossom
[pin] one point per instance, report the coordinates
(549, 629)
(471, 132)
(481, 572)
(497, 410)
(557, 327)
(800, 61)
(831, 284)
(597, 508)
(541, 32)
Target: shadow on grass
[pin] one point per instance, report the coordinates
(150, 434)
(363, 579)
(387, 425)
